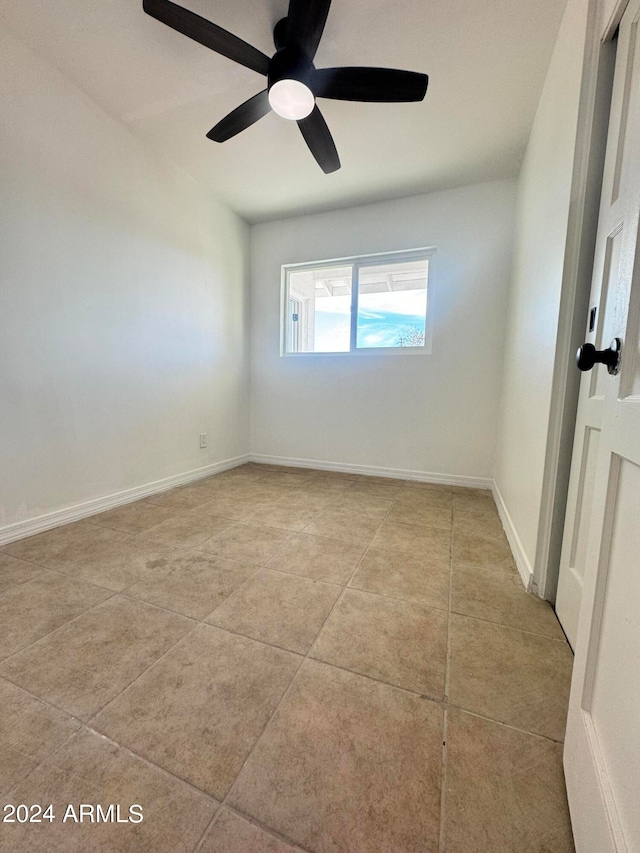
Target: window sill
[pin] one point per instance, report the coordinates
(362, 353)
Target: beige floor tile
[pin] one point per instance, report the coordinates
(224, 489)
(347, 764)
(424, 498)
(400, 642)
(387, 489)
(14, 572)
(86, 663)
(200, 710)
(228, 483)
(505, 790)
(229, 506)
(405, 576)
(305, 500)
(429, 542)
(287, 478)
(347, 523)
(322, 487)
(269, 490)
(248, 543)
(489, 527)
(35, 608)
(61, 546)
(282, 609)
(337, 477)
(367, 480)
(90, 769)
(502, 598)
(474, 506)
(284, 517)
(510, 676)
(429, 487)
(187, 530)
(494, 554)
(134, 517)
(117, 566)
(29, 731)
(195, 584)
(182, 498)
(352, 501)
(292, 469)
(319, 558)
(433, 516)
(351, 759)
(231, 833)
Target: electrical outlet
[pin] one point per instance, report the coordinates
(203, 440)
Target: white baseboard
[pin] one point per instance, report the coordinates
(31, 526)
(376, 471)
(522, 562)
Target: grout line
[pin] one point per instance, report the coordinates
(561, 640)
(207, 829)
(445, 722)
(254, 639)
(257, 823)
(128, 687)
(150, 764)
(23, 778)
(443, 782)
(57, 628)
(449, 601)
(287, 690)
(413, 693)
(321, 581)
(42, 701)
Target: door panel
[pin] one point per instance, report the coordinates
(605, 325)
(627, 69)
(614, 697)
(585, 501)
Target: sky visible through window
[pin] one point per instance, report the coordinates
(382, 319)
(391, 305)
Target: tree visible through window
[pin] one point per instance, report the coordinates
(375, 302)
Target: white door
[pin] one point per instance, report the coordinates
(602, 745)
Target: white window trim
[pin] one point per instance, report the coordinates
(358, 261)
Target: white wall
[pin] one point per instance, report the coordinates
(544, 198)
(428, 414)
(123, 308)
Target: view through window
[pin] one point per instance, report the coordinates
(368, 303)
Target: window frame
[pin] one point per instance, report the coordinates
(357, 262)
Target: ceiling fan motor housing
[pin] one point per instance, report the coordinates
(288, 64)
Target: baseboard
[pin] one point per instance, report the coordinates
(31, 526)
(376, 471)
(522, 562)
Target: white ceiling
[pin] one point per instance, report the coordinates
(486, 60)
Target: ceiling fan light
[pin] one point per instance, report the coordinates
(291, 99)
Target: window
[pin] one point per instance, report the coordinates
(372, 303)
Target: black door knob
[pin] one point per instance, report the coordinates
(588, 356)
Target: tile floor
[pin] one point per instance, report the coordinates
(283, 660)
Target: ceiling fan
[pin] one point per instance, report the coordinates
(293, 81)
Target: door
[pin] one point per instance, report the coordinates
(602, 745)
(591, 398)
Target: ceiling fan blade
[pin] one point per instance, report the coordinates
(318, 137)
(208, 34)
(241, 118)
(305, 24)
(382, 85)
